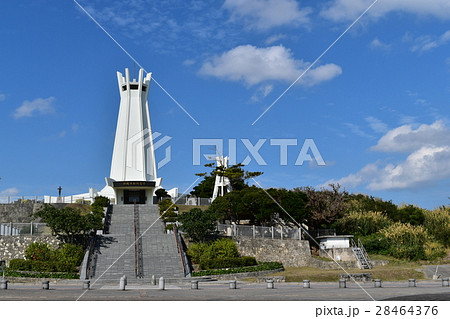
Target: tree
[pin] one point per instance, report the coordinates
(69, 224)
(235, 173)
(198, 224)
(324, 206)
(161, 193)
(167, 210)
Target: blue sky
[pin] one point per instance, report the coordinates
(376, 104)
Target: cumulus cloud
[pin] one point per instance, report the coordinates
(406, 139)
(254, 65)
(266, 14)
(9, 192)
(39, 105)
(346, 10)
(428, 160)
(262, 92)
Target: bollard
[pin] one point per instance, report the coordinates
(377, 283)
(342, 283)
(162, 283)
(444, 282)
(4, 284)
(153, 280)
(194, 284)
(123, 282)
(46, 285)
(233, 284)
(86, 284)
(306, 284)
(411, 282)
(270, 284)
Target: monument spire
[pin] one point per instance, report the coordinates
(133, 166)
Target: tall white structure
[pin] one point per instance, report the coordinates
(133, 166)
(133, 176)
(222, 184)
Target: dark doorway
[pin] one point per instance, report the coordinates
(131, 197)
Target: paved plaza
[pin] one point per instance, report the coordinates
(219, 290)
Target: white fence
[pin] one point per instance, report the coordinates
(192, 201)
(277, 232)
(17, 229)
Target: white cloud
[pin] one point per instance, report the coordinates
(346, 10)
(426, 42)
(9, 192)
(274, 38)
(39, 105)
(358, 131)
(255, 65)
(376, 125)
(2, 97)
(378, 44)
(265, 14)
(406, 139)
(262, 92)
(428, 160)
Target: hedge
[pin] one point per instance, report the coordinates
(263, 266)
(41, 266)
(219, 263)
(12, 273)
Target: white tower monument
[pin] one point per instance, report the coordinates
(222, 184)
(133, 167)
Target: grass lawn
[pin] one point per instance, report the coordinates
(396, 270)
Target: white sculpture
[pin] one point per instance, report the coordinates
(222, 184)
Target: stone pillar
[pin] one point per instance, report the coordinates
(162, 283)
(270, 284)
(377, 283)
(233, 284)
(445, 282)
(46, 285)
(342, 283)
(411, 283)
(306, 284)
(194, 284)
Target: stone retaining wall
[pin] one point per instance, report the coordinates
(19, 212)
(12, 247)
(290, 252)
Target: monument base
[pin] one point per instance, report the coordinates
(134, 192)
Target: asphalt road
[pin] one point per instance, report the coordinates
(218, 291)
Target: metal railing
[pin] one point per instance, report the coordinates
(274, 232)
(184, 260)
(20, 199)
(138, 258)
(192, 201)
(22, 229)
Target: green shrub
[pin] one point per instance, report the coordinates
(13, 273)
(38, 251)
(221, 248)
(196, 250)
(437, 224)
(434, 250)
(375, 243)
(220, 263)
(101, 201)
(405, 241)
(409, 214)
(70, 254)
(363, 223)
(41, 266)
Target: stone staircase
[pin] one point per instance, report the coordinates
(159, 250)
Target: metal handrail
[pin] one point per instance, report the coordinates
(183, 257)
(138, 267)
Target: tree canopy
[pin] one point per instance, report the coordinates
(69, 224)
